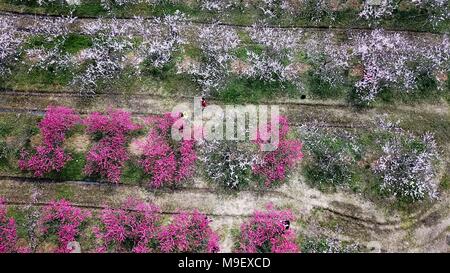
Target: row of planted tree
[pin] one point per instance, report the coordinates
(221, 61)
(137, 227)
(393, 161)
(167, 162)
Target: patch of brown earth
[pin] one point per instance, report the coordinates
(187, 64)
(36, 140)
(78, 143)
(239, 67)
(135, 146)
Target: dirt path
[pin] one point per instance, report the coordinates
(335, 113)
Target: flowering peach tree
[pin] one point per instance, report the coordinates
(188, 232)
(132, 228)
(8, 233)
(267, 232)
(64, 221)
(167, 161)
(273, 166)
(109, 154)
(50, 155)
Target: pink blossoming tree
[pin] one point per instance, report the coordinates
(188, 232)
(60, 218)
(268, 232)
(109, 154)
(167, 161)
(132, 228)
(8, 234)
(50, 156)
(274, 165)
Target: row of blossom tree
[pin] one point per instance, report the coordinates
(137, 227)
(370, 61)
(167, 162)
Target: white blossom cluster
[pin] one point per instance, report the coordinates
(106, 57)
(218, 5)
(391, 59)
(330, 59)
(438, 10)
(264, 66)
(10, 41)
(407, 166)
(51, 27)
(384, 60)
(315, 10)
(329, 245)
(49, 58)
(55, 32)
(332, 153)
(161, 38)
(216, 43)
(67, 2)
(114, 46)
(227, 163)
(278, 48)
(377, 9)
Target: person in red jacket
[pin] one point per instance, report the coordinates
(203, 103)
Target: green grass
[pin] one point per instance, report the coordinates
(6, 127)
(445, 183)
(15, 132)
(193, 51)
(73, 170)
(72, 43)
(21, 220)
(76, 42)
(37, 79)
(252, 91)
(133, 174)
(426, 91)
(64, 192)
(321, 89)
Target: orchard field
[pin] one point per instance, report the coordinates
(87, 92)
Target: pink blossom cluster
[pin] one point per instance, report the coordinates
(188, 232)
(132, 228)
(136, 228)
(8, 234)
(268, 231)
(274, 165)
(65, 221)
(167, 161)
(109, 154)
(50, 156)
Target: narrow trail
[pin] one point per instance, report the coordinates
(334, 114)
(388, 224)
(37, 16)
